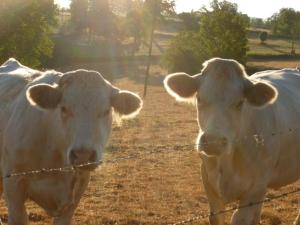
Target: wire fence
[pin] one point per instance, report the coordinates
(232, 209)
(257, 138)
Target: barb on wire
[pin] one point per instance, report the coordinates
(232, 209)
(71, 168)
(66, 169)
(258, 138)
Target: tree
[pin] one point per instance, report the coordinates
(25, 30)
(263, 36)
(135, 27)
(287, 23)
(134, 24)
(257, 23)
(185, 53)
(222, 33)
(191, 21)
(224, 30)
(154, 13)
(79, 14)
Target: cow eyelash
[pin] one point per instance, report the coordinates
(239, 105)
(201, 102)
(64, 110)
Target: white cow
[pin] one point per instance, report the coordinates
(249, 133)
(51, 120)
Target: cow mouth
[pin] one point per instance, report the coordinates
(213, 149)
(87, 165)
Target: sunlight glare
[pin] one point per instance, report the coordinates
(63, 3)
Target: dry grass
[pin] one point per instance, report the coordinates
(275, 64)
(156, 188)
(271, 46)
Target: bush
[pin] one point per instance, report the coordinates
(222, 34)
(25, 30)
(263, 36)
(185, 54)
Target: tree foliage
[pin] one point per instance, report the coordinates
(158, 9)
(134, 25)
(102, 21)
(186, 53)
(95, 16)
(259, 23)
(222, 33)
(224, 30)
(79, 14)
(191, 21)
(263, 36)
(25, 30)
(154, 13)
(287, 23)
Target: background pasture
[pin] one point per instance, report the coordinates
(161, 183)
(159, 188)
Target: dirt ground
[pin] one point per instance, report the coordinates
(159, 185)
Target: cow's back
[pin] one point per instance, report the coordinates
(13, 79)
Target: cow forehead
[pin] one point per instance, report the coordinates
(223, 81)
(85, 88)
(83, 79)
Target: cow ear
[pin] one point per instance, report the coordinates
(44, 96)
(126, 103)
(260, 94)
(181, 85)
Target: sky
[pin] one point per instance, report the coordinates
(254, 8)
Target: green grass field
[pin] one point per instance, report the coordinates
(271, 47)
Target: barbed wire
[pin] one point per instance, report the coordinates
(232, 209)
(72, 168)
(258, 138)
(163, 148)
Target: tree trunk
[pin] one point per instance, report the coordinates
(293, 52)
(149, 56)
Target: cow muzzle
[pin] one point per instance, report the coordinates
(82, 158)
(212, 145)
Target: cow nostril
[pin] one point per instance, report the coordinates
(93, 156)
(206, 140)
(203, 140)
(224, 141)
(79, 156)
(73, 156)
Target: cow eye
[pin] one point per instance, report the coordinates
(201, 102)
(239, 105)
(65, 111)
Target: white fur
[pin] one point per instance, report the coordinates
(36, 139)
(263, 142)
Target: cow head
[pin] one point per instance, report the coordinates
(221, 91)
(83, 102)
